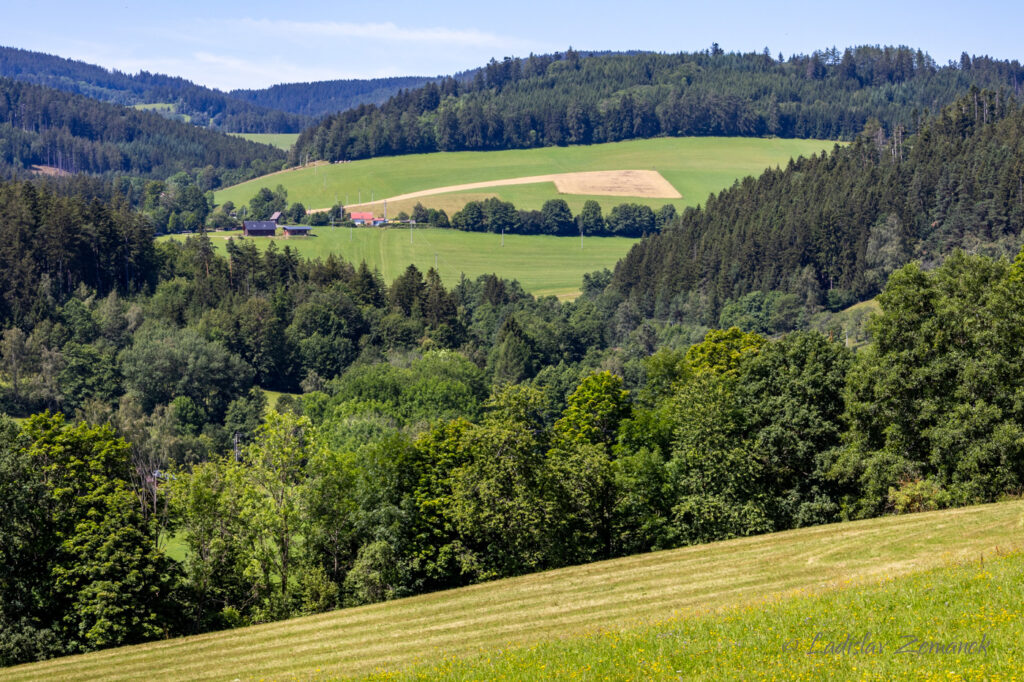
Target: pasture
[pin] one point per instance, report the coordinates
(543, 265)
(641, 616)
(694, 166)
(165, 109)
(279, 140)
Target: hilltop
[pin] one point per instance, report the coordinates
(569, 99)
(173, 96)
(315, 99)
(284, 108)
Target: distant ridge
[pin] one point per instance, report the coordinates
(202, 106)
(326, 97)
(578, 99)
(71, 133)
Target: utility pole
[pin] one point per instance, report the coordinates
(503, 235)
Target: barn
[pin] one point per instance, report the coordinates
(259, 228)
(296, 230)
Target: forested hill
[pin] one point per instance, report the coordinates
(830, 229)
(571, 99)
(327, 97)
(193, 103)
(74, 133)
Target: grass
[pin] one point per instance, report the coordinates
(274, 396)
(164, 108)
(281, 140)
(696, 166)
(914, 627)
(698, 594)
(544, 265)
(174, 546)
(158, 106)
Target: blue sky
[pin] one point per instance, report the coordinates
(254, 44)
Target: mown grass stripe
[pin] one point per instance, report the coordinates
(568, 602)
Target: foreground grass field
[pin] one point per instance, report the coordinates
(696, 166)
(544, 265)
(280, 140)
(622, 606)
(917, 627)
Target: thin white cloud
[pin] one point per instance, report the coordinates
(229, 72)
(380, 31)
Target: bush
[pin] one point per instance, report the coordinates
(917, 496)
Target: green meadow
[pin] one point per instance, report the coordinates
(163, 108)
(695, 166)
(280, 140)
(543, 265)
(747, 608)
(963, 621)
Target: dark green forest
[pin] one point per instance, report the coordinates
(202, 106)
(829, 229)
(574, 99)
(316, 99)
(77, 134)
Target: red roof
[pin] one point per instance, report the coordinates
(364, 215)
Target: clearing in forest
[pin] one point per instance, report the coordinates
(693, 167)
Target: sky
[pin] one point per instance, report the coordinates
(231, 44)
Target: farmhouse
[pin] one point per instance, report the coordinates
(296, 230)
(259, 228)
(362, 217)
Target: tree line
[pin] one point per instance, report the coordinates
(554, 218)
(573, 99)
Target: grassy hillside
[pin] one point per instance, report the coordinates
(279, 140)
(906, 628)
(544, 265)
(684, 584)
(694, 166)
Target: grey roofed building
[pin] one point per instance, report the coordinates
(259, 228)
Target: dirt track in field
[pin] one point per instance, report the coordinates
(619, 183)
